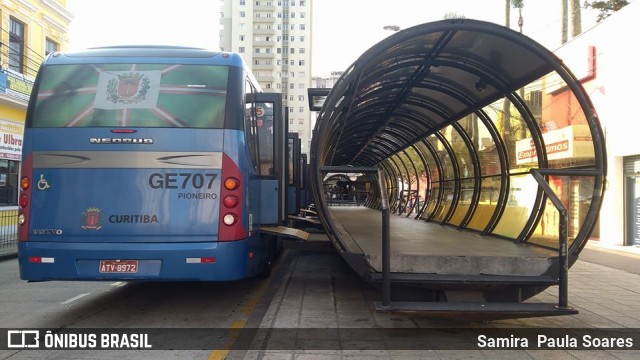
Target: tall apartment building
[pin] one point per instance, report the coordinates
(29, 30)
(274, 37)
(323, 83)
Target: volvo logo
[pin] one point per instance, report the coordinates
(120, 141)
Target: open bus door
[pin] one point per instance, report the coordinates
(305, 194)
(271, 140)
(293, 174)
(298, 195)
(274, 168)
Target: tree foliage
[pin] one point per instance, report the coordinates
(606, 8)
(452, 15)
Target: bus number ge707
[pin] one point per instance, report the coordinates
(181, 180)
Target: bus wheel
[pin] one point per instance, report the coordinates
(266, 270)
(271, 257)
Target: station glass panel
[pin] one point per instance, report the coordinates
(487, 202)
(447, 200)
(576, 193)
(520, 201)
(511, 128)
(443, 155)
(464, 201)
(564, 126)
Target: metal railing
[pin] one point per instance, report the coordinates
(563, 256)
(8, 228)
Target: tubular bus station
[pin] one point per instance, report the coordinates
(460, 166)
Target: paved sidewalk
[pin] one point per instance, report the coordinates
(322, 296)
(625, 258)
(8, 252)
(334, 308)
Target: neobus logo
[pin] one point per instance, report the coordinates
(120, 141)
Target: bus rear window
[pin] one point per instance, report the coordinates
(131, 95)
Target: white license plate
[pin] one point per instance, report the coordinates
(118, 266)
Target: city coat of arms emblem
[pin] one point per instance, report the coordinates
(132, 89)
(128, 88)
(91, 219)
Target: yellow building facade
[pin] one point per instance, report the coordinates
(29, 31)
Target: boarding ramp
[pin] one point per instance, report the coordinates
(482, 161)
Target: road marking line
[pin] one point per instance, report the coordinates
(236, 327)
(74, 299)
(119, 284)
(234, 332)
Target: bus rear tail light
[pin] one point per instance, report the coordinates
(24, 186)
(231, 183)
(229, 219)
(231, 201)
(231, 224)
(25, 183)
(24, 199)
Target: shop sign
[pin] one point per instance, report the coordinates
(15, 85)
(573, 141)
(11, 140)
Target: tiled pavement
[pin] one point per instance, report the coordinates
(321, 294)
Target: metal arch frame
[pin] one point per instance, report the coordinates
(350, 88)
(438, 161)
(395, 135)
(415, 171)
(477, 180)
(504, 166)
(543, 163)
(440, 110)
(349, 108)
(578, 91)
(397, 173)
(451, 92)
(427, 169)
(390, 184)
(477, 166)
(428, 192)
(472, 154)
(408, 172)
(433, 154)
(455, 180)
(420, 72)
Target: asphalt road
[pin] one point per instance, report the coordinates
(62, 305)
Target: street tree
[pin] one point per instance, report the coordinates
(606, 8)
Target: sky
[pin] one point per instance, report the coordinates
(341, 31)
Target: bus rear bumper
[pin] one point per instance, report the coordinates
(196, 261)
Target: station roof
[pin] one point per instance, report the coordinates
(409, 94)
(421, 79)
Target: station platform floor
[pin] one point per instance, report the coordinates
(426, 247)
(328, 312)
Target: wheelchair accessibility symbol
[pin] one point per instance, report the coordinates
(43, 184)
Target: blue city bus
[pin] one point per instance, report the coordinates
(149, 163)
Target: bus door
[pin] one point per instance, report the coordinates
(293, 173)
(305, 194)
(271, 136)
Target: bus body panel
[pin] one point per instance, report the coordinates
(168, 230)
(116, 194)
(156, 261)
(113, 188)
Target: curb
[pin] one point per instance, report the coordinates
(8, 256)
